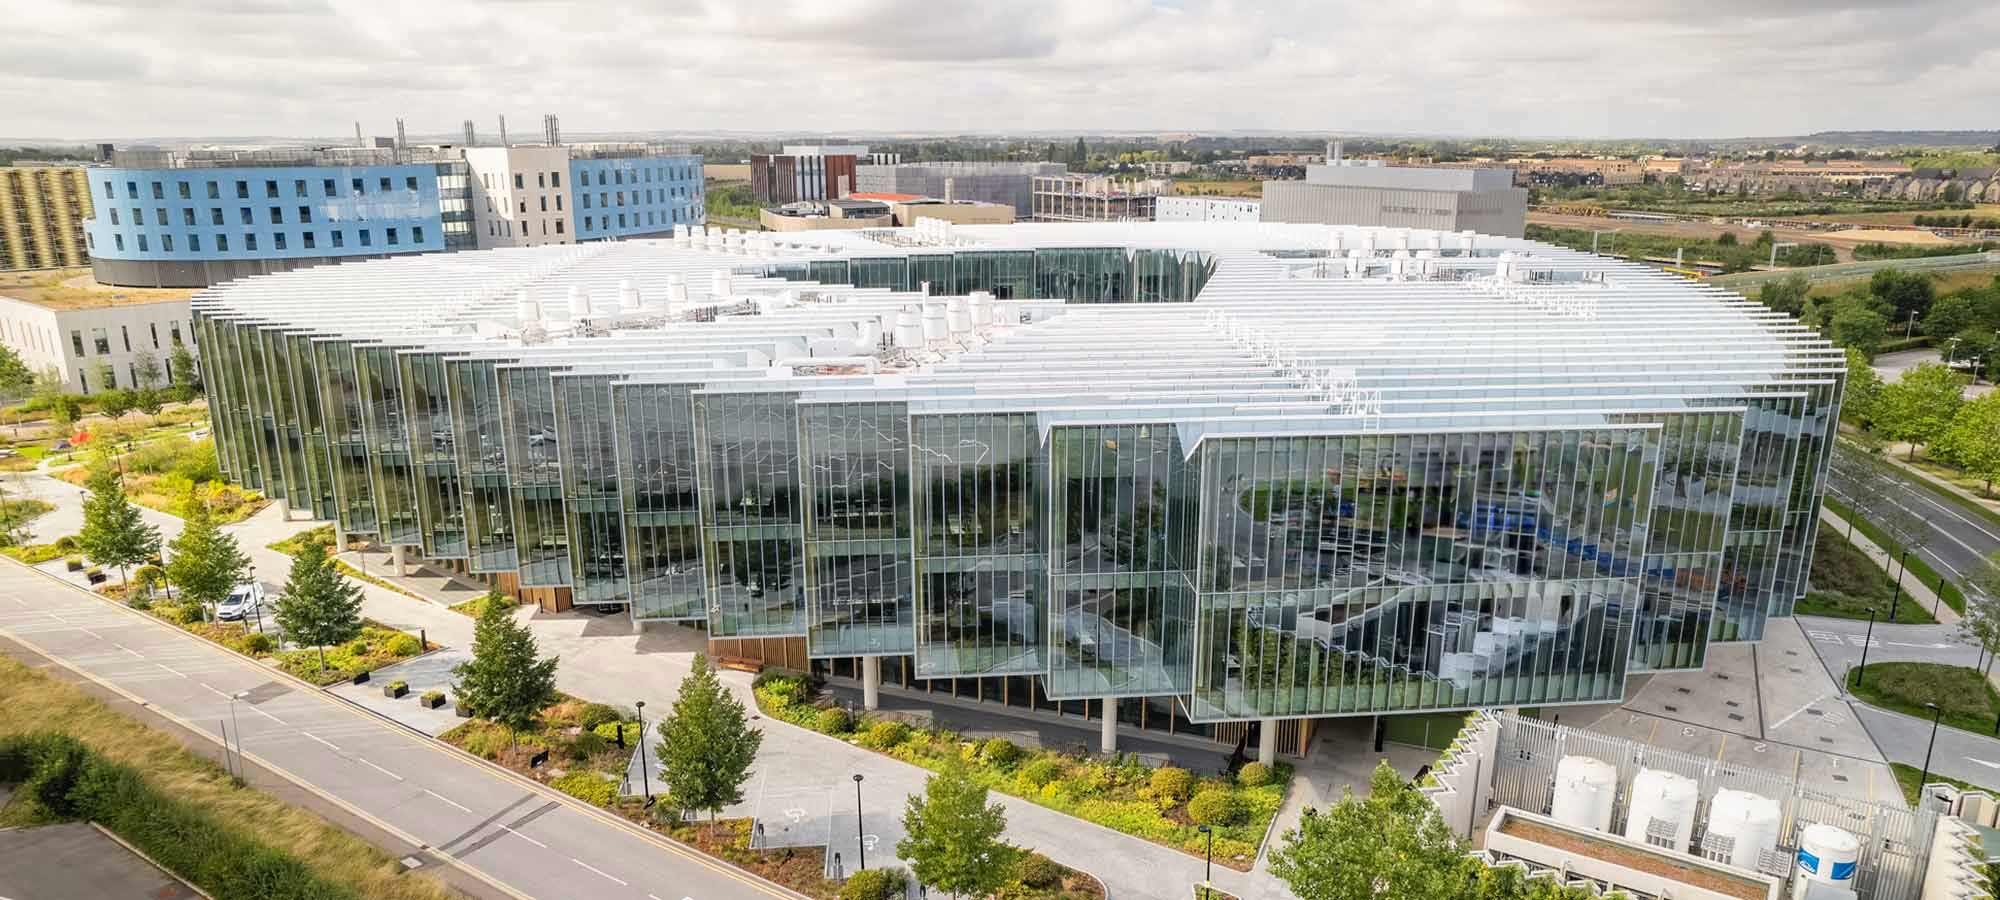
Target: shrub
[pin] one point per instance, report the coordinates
(595, 714)
(1216, 806)
(147, 577)
(1038, 871)
(875, 884)
(609, 731)
(403, 645)
(1000, 752)
(884, 735)
(1093, 779)
(589, 787)
(66, 544)
(586, 745)
(780, 691)
(433, 696)
(1040, 771)
(832, 720)
(399, 685)
(1171, 784)
(1254, 774)
(257, 643)
(485, 740)
(140, 602)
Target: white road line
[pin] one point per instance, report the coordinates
(524, 837)
(212, 688)
(171, 669)
(446, 799)
(322, 740)
(254, 709)
(135, 654)
(1795, 713)
(621, 882)
(94, 634)
(378, 768)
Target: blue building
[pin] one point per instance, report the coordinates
(625, 196)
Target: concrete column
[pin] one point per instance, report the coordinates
(1267, 741)
(1107, 740)
(284, 509)
(339, 539)
(871, 682)
(399, 559)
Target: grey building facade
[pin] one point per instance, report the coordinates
(1009, 183)
(1481, 200)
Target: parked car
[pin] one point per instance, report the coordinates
(244, 601)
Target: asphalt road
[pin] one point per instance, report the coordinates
(1968, 757)
(1959, 542)
(1838, 642)
(517, 837)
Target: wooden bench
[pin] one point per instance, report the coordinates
(739, 663)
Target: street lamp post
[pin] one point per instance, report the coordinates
(238, 731)
(1937, 712)
(860, 835)
(1910, 327)
(1902, 566)
(256, 600)
(645, 777)
(1775, 246)
(1950, 347)
(1861, 671)
(1208, 857)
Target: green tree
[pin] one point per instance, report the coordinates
(204, 562)
(113, 533)
(1904, 292)
(146, 370)
(506, 680)
(706, 744)
(1950, 315)
(1864, 389)
(1919, 406)
(185, 372)
(320, 606)
(1080, 154)
(148, 401)
(65, 410)
(1853, 324)
(952, 836)
(1972, 440)
(1787, 296)
(115, 402)
(1392, 844)
(15, 378)
(1980, 623)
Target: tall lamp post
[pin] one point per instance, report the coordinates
(1208, 860)
(256, 599)
(1902, 566)
(645, 777)
(1937, 712)
(1861, 671)
(860, 835)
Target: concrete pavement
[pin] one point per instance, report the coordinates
(510, 832)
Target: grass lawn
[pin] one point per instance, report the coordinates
(1845, 582)
(1969, 703)
(1907, 779)
(30, 702)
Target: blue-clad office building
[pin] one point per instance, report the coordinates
(626, 196)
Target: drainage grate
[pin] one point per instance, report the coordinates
(1840, 778)
(1683, 690)
(1722, 676)
(1815, 712)
(1825, 740)
(1735, 717)
(1732, 704)
(1672, 708)
(1795, 670)
(1791, 653)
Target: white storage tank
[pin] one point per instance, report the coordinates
(1826, 854)
(1666, 797)
(1586, 789)
(1749, 821)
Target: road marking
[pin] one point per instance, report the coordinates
(212, 688)
(622, 882)
(135, 654)
(1795, 713)
(1918, 646)
(329, 744)
(171, 669)
(255, 709)
(447, 799)
(1990, 765)
(99, 637)
(378, 768)
(1720, 746)
(524, 837)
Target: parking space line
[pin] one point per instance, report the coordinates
(622, 882)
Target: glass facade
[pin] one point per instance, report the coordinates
(1096, 498)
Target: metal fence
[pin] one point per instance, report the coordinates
(1895, 842)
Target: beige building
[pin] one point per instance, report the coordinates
(66, 321)
(1351, 193)
(879, 210)
(42, 210)
(1577, 170)
(1096, 198)
(518, 196)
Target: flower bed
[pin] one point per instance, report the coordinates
(1165, 806)
(378, 646)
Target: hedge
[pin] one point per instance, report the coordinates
(72, 782)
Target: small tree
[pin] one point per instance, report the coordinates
(182, 369)
(146, 370)
(15, 378)
(320, 606)
(1392, 844)
(1864, 389)
(706, 744)
(115, 402)
(65, 410)
(1980, 624)
(204, 562)
(1919, 406)
(148, 401)
(1972, 440)
(953, 835)
(113, 532)
(506, 680)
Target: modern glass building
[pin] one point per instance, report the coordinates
(1239, 471)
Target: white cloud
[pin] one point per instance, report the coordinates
(125, 69)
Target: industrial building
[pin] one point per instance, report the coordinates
(1008, 183)
(808, 172)
(1095, 198)
(1181, 475)
(1207, 209)
(168, 219)
(1366, 192)
(42, 210)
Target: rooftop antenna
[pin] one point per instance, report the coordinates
(552, 130)
(358, 142)
(503, 131)
(470, 139)
(399, 139)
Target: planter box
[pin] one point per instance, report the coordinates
(462, 711)
(432, 703)
(96, 577)
(395, 692)
(74, 565)
(361, 678)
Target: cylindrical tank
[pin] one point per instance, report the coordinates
(1826, 854)
(980, 305)
(1586, 788)
(957, 316)
(579, 302)
(526, 309)
(935, 327)
(719, 286)
(909, 330)
(1666, 797)
(1749, 821)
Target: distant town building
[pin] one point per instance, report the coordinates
(1759, 176)
(42, 211)
(94, 335)
(1168, 168)
(1010, 183)
(1095, 198)
(811, 172)
(1365, 192)
(1206, 209)
(1577, 171)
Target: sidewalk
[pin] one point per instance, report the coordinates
(1914, 586)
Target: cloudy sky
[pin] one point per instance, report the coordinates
(1589, 68)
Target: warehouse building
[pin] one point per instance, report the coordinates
(1365, 192)
(1185, 476)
